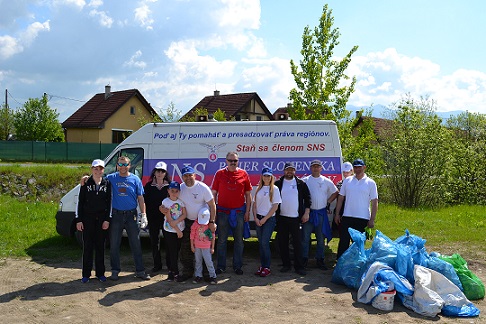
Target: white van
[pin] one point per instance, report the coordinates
(203, 145)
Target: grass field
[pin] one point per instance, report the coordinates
(29, 229)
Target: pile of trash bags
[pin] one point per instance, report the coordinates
(428, 284)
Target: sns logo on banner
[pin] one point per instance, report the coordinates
(213, 151)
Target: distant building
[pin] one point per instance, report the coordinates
(108, 117)
(241, 106)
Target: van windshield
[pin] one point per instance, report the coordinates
(136, 161)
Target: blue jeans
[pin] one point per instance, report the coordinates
(307, 229)
(223, 233)
(264, 233)
(128, 220)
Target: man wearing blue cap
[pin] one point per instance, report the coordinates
(359, 191)
(195, 195)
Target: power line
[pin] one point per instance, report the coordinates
(13, 97)
(54, 96)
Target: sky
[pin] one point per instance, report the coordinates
(179, 51)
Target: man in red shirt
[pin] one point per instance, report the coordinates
(232, 190)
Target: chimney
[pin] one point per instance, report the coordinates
(359, 113)
(107, 91)
(216, 93)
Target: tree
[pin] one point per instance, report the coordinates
(467, 183)
(320, 92)
(7, 118)
(36, 121)
(171, 114)
(416, 154)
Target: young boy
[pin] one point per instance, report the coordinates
(202, 244)
(173, 227)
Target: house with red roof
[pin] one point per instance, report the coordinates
(240, 106)
(108, 117)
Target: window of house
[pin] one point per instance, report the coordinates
(117, 135)
(259, 118)
(237, 117)
(132, 110)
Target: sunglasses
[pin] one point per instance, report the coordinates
(233, 161)
(123, 164)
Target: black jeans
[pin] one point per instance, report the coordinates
(93, 239)
(172, 247)
(290, 226)
(154, 226)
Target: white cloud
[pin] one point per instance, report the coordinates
(79, 4)
(384, 77)
(103, 19)
(188, 64)
(237, 13)
(95, 3)
(134, 62)
(9, 46)
(143, 16)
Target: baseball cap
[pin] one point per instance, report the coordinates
(316, 162)
(203, 216)
(187, 169)
(97, 163)
(289, 165)
(161, 165)
(347, 167)
(267, 171)
(174, 185)
(358, 162)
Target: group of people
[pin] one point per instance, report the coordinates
(189, 216)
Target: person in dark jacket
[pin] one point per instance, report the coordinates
(296, 202)
(93, 220)
(156, 191)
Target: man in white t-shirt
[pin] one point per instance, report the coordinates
(359, 191)
(295, 207)
(195, 195)
(323, 192)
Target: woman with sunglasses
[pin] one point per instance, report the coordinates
(156, 191)
(265, 204)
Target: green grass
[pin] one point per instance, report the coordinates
(28, 229)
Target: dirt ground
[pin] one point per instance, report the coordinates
(44, 292)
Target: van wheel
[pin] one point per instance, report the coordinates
(79, 237)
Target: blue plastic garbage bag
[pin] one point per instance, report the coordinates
(352, 263)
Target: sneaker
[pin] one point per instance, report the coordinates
(321, 265)
(114, 277)
(197, 280)
(171, 276)
(85, 280)
(156, 269)
(213, 281)
(259, 271)
(143, 276)
(285, 269)
(304, 262)
(182, 278)
(239, 271)
(102, 278)
(301, 272)
(219, 271)
(265, 272)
